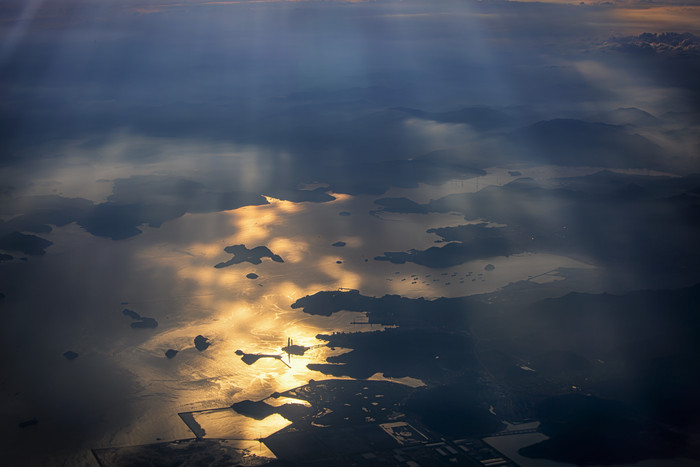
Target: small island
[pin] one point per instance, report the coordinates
(252, 275)
(201, 342)
(170, 353)
(140, 322)
(131, 314)
(145, 323)
(294, 349)
(254, 256)
(250, 358)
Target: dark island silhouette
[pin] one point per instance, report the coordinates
(25, 243)
(140, 322)
(573, 218)
(250, 358)
(145, 323)
(426, 354)
(260, 410)
(611, 377)
(135, 201)
(343, 420)
(339, 244)
(70, 355)
(155, 199)
(131, 313)
(201, 343)
(294, 349)
(392, 309)
(254, 256)
(170, 353)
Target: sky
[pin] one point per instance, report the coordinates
(556, 141)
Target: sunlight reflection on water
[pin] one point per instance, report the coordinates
(254, 316)
(168, 274)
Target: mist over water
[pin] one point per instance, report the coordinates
(493, 205)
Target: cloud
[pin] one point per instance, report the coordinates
(666, 43)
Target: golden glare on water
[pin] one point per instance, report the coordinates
(227, 424)
(292, 250)
(254, 316)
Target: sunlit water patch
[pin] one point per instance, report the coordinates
(168, 274)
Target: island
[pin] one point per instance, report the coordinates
(201, 342)
(294, 349)
(242, 254)
(140, 322)
(250, 358)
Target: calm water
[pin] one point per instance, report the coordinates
(168, 274)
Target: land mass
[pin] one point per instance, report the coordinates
(254, 256)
